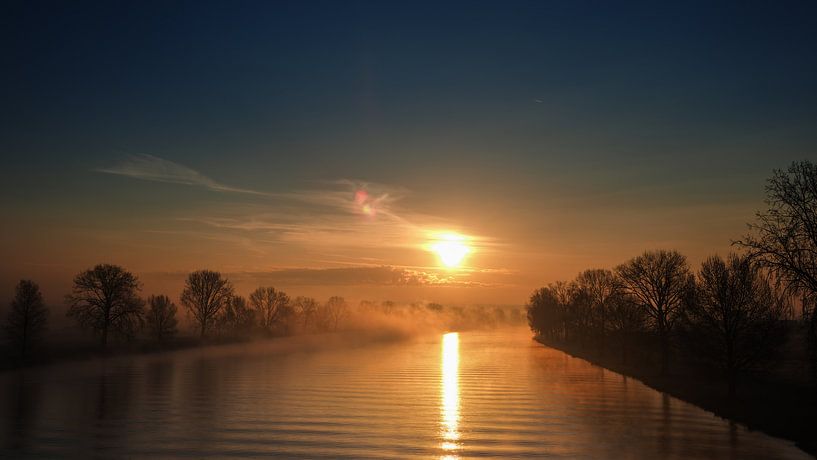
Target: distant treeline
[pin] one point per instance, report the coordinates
(105, 301)
(733, 314)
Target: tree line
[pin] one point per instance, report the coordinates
(730, 314)
(106, 300)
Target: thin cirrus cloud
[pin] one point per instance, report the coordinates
(341, 215)
(151, 168)
(348, 276)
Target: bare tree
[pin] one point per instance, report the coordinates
(580, 313)
(27, 318)
(601, 287)
(270, 305)
(205, 294)
(735, 321)
(105, 298)
(626, 320)
(545, 313)
(161, 317)
(784, 237)
(307, 309)
(236, 318)
(661, 283)
(336, 310)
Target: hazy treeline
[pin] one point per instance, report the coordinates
(731, 314)
(106, 300)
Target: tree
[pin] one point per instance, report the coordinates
(545, 313)
(601, 287)
(306, 308)
(26, 321)
(564, 293)
(784, 237)
(580, 314)
(735, 321)
(270, 305)
(661, 283)
(205, 294)
(105, 299)
(236, 317)
(626, 320)
(336, 310)
(161, 317)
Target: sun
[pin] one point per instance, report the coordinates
(451, 249)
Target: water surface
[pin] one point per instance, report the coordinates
(471, 394)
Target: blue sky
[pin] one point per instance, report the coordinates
(560, 135)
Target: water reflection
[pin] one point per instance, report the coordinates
(450, 393)
(477, 394)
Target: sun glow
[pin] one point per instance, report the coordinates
(451, 249)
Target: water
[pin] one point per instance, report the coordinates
(471, 394)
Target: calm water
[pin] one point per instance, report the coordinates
(471, 394)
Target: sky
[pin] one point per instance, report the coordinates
(324, 147)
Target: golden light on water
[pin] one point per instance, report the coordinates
(450, 392)
(450, 249)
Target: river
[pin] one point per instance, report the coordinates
(456, 395)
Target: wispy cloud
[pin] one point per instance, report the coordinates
(350, 276)
(151, 168)
(333, 223)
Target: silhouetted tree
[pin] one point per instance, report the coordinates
(544, 313)
(626, 320)
(601, 286)
(433, 306)
(564, 293)
(387, 306)
(161, 317)
(307, 309)
(205, 294)
(27, 318)
(580, 313)
(784, 237)
(236, 318)
(735, 321)
(270, 305)
(105, 299)
(336, 310)
(661, 283)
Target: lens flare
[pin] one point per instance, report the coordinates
(365, 203)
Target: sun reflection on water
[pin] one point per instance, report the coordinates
(450, 394)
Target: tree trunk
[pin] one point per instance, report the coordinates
(624, 351)
(732, 379)
(25, 337)
(662, 331)
(105, 330)
(603, 328)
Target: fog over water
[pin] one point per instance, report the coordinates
(453, 395)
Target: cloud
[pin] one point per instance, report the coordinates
(351, 276)
(151, 168)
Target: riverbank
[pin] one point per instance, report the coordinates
(779, 408)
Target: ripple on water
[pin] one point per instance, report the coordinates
(492, 394)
